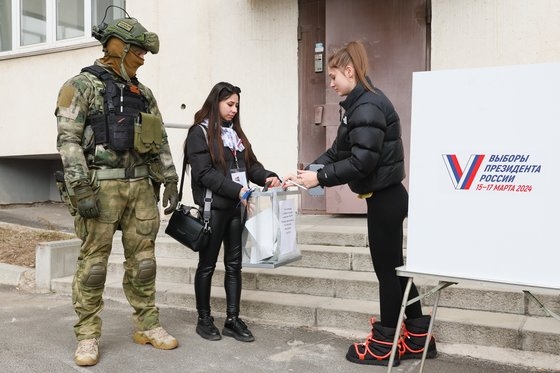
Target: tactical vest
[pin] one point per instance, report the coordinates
(122, 105)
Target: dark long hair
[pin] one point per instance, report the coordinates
(211, 110)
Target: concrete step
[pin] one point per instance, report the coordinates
(333, 287)
(345, 258)
(350, 258)
(314, 255)
(350, 316)
(346, 284)
(295, 280)
(342, 246)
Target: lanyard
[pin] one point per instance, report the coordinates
(234, 152)
(232, 141)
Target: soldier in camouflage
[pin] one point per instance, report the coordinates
(115, 154)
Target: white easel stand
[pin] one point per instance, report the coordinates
(444, 282)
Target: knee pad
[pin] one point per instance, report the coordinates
(146, 270)
(96, 275)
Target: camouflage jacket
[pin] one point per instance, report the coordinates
(81, 96)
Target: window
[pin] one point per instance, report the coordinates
(33, 15)
(28, 26)
(69, 19)
(5, 25)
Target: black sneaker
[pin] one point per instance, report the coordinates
(236, 328)
(207, 330)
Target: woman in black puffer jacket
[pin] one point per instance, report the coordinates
(368, 155)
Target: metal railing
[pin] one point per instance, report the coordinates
(176, 125)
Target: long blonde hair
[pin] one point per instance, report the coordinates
(353, 54)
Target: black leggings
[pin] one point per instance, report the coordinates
(227, 227)
(386, 211)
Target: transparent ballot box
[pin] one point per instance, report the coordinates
(269, 236)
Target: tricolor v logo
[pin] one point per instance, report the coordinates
(462, 179)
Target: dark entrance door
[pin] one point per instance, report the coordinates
(395, 34)
(312, 88)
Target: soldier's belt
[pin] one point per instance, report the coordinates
(122, 173)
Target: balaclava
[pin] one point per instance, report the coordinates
(121, 57)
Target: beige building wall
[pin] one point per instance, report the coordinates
(480, 33)
(250, 43)
(28, 95)
(253, 44)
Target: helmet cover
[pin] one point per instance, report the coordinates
(128, 30)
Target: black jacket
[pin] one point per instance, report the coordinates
(368, 152)
(204, 174)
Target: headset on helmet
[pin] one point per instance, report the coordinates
(127, 29)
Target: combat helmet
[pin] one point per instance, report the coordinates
(128, 30)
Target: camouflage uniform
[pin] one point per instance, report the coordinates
(128, 204)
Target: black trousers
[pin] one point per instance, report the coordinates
(386, 211)
(227, 227)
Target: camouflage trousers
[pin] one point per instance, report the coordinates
(128, 205)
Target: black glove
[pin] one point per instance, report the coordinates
(170, 198)
(86, 202)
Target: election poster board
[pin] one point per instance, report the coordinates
(485, 175)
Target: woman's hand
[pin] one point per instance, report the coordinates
(286, 182)
(304, 177)
(307, 178)
(242, 200)
(274, 182)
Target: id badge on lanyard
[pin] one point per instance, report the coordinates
(239, 176)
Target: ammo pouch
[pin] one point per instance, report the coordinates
(115, 130)
(147, 133)
(121, 105)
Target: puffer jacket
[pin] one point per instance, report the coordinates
(204, 174)
(367, 153)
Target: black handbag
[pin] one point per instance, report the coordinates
(192, 230)
(190, 226)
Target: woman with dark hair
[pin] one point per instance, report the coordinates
(222, 160)
(368, 155)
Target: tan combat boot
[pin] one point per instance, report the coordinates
(87, 352)
(157, 337)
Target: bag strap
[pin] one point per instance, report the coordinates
(207, 204)
(183, 178)
(208, 196)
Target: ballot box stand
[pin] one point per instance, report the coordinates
(269, 235)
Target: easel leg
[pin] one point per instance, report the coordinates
(399, 323)
(431, 326)
(541, 306)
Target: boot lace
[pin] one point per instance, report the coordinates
(87, 346)
(362, 349)
(403, 346)
(158, 334)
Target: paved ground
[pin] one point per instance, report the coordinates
(37, 336)
(47, 215)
